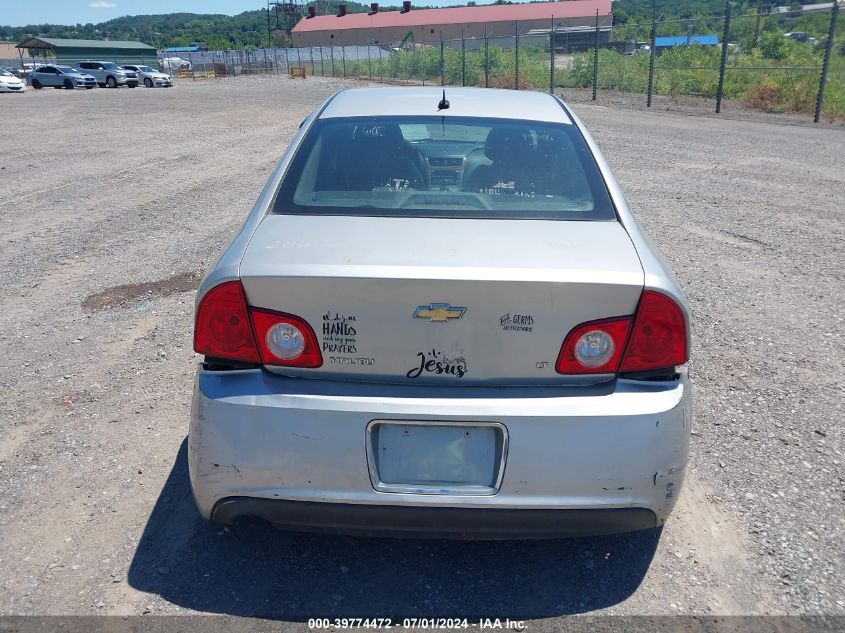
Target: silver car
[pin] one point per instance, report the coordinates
(61, 77)
(441, 318)
(150, 77)
(109, 74)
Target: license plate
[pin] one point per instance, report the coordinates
(436, 457)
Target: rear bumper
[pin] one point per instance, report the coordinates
(595, 459)
(487, 523)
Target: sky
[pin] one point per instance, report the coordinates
(16, 13)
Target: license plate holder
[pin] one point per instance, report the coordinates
(434, 457)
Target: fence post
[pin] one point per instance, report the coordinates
(651, 52)
(269, 35)
(370, 59)
(332, 54)
(757, 23)
(596, 58)
(191, 62)
(516, 53)
(826, 64)
(343, 59)
(322, 67)
(486, 58)
(442, 63)
(720, 89)
(463, 59)
(552, 57)
(287, 61)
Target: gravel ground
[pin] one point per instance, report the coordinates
(111, 209)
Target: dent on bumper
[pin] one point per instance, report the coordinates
(256, 435)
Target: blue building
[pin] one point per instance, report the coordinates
(193, 48)
(662, 43)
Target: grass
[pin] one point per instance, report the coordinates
(790, 84)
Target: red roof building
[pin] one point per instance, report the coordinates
(429, 25)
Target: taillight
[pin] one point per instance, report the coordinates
(654, 338)
(594, 347)
(227, 328)
(658, 337)
(222, 327)
(284, 339)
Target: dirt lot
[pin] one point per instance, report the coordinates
(113, 202)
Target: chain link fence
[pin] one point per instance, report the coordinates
(791, 63)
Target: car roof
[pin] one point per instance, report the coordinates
(464, 102)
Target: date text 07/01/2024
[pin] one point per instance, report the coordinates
(417, 623)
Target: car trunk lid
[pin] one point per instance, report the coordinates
(446, 301)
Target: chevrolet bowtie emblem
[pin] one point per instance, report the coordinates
(440, 312)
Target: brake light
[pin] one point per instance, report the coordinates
(654, 338)
(658, 337)
(594, 347)
(222, 328)
(284, 339)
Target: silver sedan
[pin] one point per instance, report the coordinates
(441, 318)
(150, 77)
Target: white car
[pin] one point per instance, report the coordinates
(10, 82)
(151, 77)
(174, 63)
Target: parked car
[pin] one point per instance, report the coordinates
(20, 73)
(151, 77)
(109, 74)
(441, 317)
(10, 82)
(61, 77)
(172, 64)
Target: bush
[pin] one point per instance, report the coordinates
(684, 70)
(763, 96)
(507, 79)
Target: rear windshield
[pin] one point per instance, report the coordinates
(444, 167)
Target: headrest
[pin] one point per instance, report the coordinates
(507, 143)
